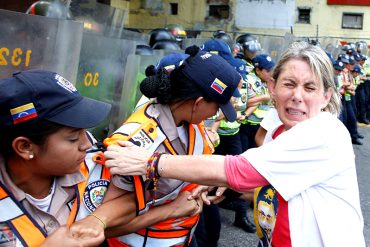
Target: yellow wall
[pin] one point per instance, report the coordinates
(192, 14)
(329, 20)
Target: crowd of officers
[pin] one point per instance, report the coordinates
(352, 77)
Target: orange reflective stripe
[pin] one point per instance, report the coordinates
(3, 194)
(164, 234)
(191, 142)
(105, 173)
(168, 145)
(189, 187)
(30, 234)
(139, 193)
(80, 191)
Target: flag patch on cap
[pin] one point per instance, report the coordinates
(218, 86)
(23, 113)
(169, 68)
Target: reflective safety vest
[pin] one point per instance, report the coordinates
(143, 129)
(28, 231)
(260, 89)
(228, 128)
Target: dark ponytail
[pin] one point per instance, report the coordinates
(157, 86)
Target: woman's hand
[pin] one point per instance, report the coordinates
(63, 237)
(184, 207)
(203, 192)
(89, 227)
(126, 159)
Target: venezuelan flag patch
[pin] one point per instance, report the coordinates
(169, 68)
(23, 113)
(218, 86)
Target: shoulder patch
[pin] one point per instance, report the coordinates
(94, 194)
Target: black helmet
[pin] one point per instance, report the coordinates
(360, 46)
(160, 34)
(143, 50)
(221, 34)
(52, 9)
(167, 45)
(249, 42)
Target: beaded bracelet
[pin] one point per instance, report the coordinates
(152, 172)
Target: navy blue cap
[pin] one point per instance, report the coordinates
(344, 58)
(357, 68)
(35, 95)
(219, 47)
(263, 61)
(171, 61)
(338, 65)
(357, 57)
(216, 77)
(352, 60)
(363, 57)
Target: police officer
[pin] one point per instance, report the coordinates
(250, 47)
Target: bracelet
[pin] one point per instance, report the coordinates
(152, 172)
(102, 221)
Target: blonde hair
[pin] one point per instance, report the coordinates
(320, 65)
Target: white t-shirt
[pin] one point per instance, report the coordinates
(270, 122)
(313, 167)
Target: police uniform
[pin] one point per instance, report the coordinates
(250, 125)
(153, 128)
(63, 208)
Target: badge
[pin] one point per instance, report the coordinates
(142, 139)
(94, 194)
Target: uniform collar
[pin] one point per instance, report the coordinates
(165, 118)
(64, 181)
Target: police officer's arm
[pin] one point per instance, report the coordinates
(63, 237)
(258, 99)
(180, 207)
(117, 216)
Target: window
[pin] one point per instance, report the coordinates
(219, 11)
(304, 15)
(174, 8)
(352, 20)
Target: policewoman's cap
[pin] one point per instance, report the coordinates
(219, 47)
(344, 58)
(34, 95)
(352, 60)
(263, 61)
(170, 62)
(357, 68)
(338, 65)
(216, 77)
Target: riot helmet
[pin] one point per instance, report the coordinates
(361, 46)
(52, 9)
(160, 34)
(221, 34)
(249, 43)
(166, 45)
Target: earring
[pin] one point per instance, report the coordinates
(31, 156)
